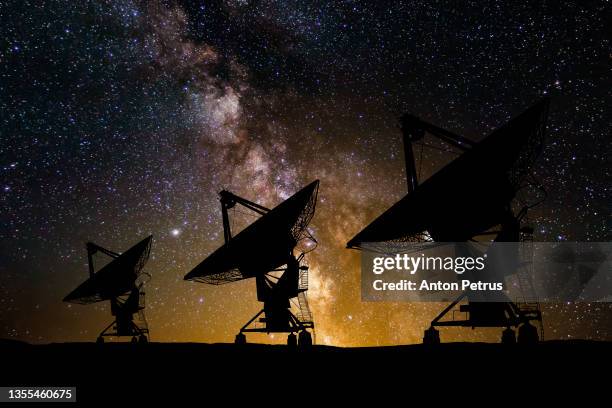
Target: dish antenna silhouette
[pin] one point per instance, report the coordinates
(120, 281)
(264, 250)
(466, 200)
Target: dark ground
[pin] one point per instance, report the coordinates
(114, 373)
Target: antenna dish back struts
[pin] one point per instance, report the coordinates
(261, 251)
(119, 282)
(464, 201)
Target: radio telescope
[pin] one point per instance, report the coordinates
(121, 282)
(266, 251)
(470, 198)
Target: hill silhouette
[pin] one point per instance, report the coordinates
(119, 372)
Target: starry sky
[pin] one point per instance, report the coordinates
(120, 119)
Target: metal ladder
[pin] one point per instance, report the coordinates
(304, 315)
(524, 275)
(528, 305)
(303, 282)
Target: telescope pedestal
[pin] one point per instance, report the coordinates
(508, 336)
(495, 314)
(528, 334)
(303, 339)
(431, 336)
(124, 325)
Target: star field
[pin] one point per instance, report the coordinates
(120, 119)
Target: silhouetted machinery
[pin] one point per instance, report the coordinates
(264, 250)
(121, 282)
(469, 199)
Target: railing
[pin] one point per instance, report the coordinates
(305, 315)
(303, 282)
(529, 306)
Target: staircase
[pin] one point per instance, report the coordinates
(304, 315)
(139, 318)
(529, 304)
(526, 271)
(303, 282)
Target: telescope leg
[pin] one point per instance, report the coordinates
(297, 325)
(448, 308)
(252, 320)
(103, 332)
(432, 335)
(139, 334)
(241, 337)
(508, 336)
(304, 339)
(528, 334)
(292, 340)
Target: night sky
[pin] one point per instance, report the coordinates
(120, 119)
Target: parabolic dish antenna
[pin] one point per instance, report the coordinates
(261, 251)
(465, 200)
(263, 245)
(469, 195)
(119, 282)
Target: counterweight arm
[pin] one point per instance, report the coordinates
(413, 130)
(229, 200)
(92, 249)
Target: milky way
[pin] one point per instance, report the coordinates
(126, 118)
